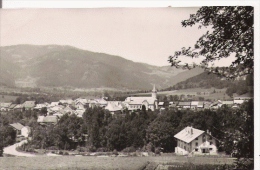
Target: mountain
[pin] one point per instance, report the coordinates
(59, 66)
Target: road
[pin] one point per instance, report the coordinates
(11, 150)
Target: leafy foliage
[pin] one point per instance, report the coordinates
(232, 33)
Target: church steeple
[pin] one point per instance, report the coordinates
(154, 92)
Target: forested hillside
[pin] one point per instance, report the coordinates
(205, 80)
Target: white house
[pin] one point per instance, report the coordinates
(195, 141)
(114, 107)
(134, 103)
(25, 131)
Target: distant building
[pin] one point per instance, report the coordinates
(17, 127)
(195, 141)
(29, 105)
(47, 120)
(114, 107)
(184, 105)
(135, 103)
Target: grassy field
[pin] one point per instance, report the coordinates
(88, 162)
(7, 98)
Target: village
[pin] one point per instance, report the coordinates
(189, 141)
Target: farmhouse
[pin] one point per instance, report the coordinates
(134, 103)
(47, 120)
(195, 141)
(17, 127)
(114, 107)
(184, 105)
(29, 105)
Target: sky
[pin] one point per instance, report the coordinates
(148, 35)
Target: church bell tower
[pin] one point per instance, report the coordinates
(154, 92)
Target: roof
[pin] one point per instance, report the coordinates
(200, 104)
(19, 106)
(228, 102)
(184, 103)
(161, 103)
(29, 104)
(17, 126)
(12, 106)
(5, 104)
(113, 106)
(140, 100)
(188, 134)
(194, 103)
(47, 119)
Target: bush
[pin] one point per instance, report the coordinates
(66, 153)
(60, 153)
(115, 152)
(53, 148)
(129, 149)
(102, 150)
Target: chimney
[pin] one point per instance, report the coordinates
(191, 130)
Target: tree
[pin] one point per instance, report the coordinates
(232, 33)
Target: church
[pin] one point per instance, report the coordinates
(134, 103)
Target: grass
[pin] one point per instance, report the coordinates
(91, 162)
(7, 98)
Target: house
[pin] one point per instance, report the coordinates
(114, 107)
(195, 141)
(194, 104)
(184, 105)
(5, 106)
(17, 127)
(227, 103)
(29, 105)
(54, 104)
(19, 107)
(25, 131)
(47, 120)
(66, 102)
(102, 102)
(161, 105)
(40, 106)
(11, 107)
(134, 103)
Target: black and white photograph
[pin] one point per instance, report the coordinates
(129, 86)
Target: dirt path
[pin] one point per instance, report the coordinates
(11, 150)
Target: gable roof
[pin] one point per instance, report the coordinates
(184, 103)
(29, 104)
(188, 134)
(140, 100)
(17, 126)
(47, 119)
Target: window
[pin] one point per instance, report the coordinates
(184, 147)
(204, 138)
(196, 149)
(196, 144)
(210, 149)
(210, 143)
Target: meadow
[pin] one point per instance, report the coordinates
(92, 163)
(7, 98)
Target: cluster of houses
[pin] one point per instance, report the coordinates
(199, 105)
(54, 110)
